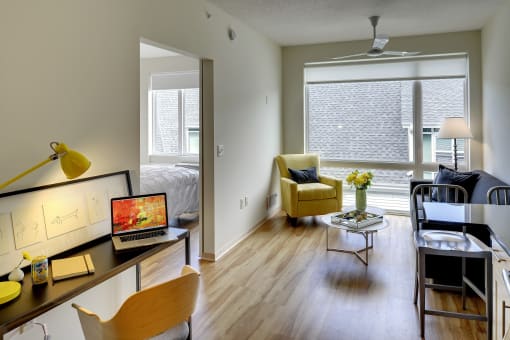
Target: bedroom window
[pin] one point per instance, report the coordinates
(385, 116)
(175, 128)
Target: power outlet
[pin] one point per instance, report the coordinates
(241, 203)
(271, 200)
(245, 201)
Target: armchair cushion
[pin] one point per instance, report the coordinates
(315, 191)
(304, 176)
(445, 175)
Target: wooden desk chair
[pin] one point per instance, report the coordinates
(499, 195)
(157, 312)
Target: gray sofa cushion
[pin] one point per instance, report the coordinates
(485, 182)
(445, 175)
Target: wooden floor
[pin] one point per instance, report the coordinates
(281, 283)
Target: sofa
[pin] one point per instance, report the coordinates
(477, 194)
(447, 270)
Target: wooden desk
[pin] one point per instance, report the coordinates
(496, 218)
(35, 300)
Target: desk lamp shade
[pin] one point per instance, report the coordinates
(73, 163)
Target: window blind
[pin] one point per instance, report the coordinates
(443, 66)
(174, 81)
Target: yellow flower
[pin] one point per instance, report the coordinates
(359, 180)
(26, 256)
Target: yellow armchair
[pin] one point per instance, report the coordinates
(307, 199)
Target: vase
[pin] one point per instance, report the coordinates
(361, 199)
(16, 275)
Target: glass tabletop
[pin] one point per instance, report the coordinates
(369, 228)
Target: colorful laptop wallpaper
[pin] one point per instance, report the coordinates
(140, 212)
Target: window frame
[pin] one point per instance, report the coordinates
(182, 138)
(417, 164)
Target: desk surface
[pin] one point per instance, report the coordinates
(494, 217)
(37, 299)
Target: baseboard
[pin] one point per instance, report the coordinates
(226, 250)
(207, 257)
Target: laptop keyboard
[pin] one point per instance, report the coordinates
(142, 236)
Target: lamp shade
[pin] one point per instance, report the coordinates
(72, 162)
(454, 127)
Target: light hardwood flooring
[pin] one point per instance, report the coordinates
(281, 283)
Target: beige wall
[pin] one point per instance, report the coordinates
(496, 93)
(294, 58)
(69, 70)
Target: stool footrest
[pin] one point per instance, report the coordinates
(448, 314)
(443, 287)
(475, 289)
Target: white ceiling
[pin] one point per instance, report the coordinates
(296, 22)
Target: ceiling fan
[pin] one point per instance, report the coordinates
(377, 49)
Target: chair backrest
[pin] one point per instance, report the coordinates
(499, 195)
(450, 193)
(148, 312)
(296, 161)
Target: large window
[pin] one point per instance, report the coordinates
(384, 117)
(175, 128)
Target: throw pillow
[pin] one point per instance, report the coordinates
(304, 176)
(445, 175)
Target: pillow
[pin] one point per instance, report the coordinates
(304, 176)
(445, 175)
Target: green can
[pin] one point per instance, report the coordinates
(39, 270)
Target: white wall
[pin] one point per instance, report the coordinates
(149, 66)
(294, 57)
(70, 71)
(496, 93)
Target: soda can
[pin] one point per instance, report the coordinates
(39, 270)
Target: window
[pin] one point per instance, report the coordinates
(175, 127)
(384, 117)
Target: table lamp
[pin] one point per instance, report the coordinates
(73, 163)
(453, 128)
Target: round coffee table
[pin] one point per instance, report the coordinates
(363, 231)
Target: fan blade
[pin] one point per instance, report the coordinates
(400, 53)
(350, 56)
(380, 41)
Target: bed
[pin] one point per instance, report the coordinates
(180, 182)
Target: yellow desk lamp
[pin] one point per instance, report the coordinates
(73, 165)
(72, 162)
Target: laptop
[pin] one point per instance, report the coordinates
(139, 221)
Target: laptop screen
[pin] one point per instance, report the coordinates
(138, 213)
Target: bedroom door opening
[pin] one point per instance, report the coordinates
(171, 134)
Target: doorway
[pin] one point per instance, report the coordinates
(171, 133)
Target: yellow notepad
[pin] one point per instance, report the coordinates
(71, 266)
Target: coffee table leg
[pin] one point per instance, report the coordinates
(368, 245)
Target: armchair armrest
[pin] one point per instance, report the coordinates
(334, 182)
(337, 184)
(289, 196)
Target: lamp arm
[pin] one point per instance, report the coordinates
(26, 172)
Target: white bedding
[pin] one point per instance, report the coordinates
(179, 183)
